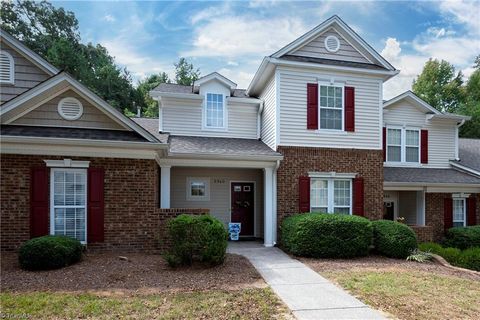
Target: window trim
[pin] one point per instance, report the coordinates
(204, 114)
(11, 80)
(331, 84)
(403, 145)
(190, 197)
(331, 192)
(52, 195)
(464, 221)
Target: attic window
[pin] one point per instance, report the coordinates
(7, 65)
(332, 44)
(70, 108)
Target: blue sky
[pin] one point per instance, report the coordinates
(232, 37)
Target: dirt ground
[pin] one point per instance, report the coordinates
(382, 264)
(141, 273)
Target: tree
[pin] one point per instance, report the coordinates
(471, 107)
(149, 106)
(53, 33)
(185, 73)
(439, 86)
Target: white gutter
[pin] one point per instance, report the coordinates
(160, 95)
(224, 156)
(465, 169)
(428, 184)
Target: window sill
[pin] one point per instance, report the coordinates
(331, 132)
(403, 164)
(215, 129)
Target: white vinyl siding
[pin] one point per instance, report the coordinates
(316, 49)
(293, 111)
(184, 117)
(269, 117)
(441, 133)
(68, 204)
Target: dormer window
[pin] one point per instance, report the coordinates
(214, 111)
(7, 68)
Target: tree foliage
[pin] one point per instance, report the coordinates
(471, 107)
(148, 105)
(185, 72)
(440, 86)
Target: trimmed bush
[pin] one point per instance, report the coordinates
(393, 239)
(196, 238)
(327, 235)
(463, 237)
(49, 252)
(470, 259)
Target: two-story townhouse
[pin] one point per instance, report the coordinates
(425, 182)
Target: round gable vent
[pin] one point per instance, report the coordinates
(70, 108)
(332, 44)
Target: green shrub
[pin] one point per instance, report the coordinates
(393, 239)
(463, 237)
(196, 238)
(327, 235)
(470, 259)
(49, 252)
(450, 254)
(430, 247)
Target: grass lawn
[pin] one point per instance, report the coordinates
(407, 290)
(258, 303)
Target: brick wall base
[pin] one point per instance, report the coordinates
(298, 161)
(424, 234)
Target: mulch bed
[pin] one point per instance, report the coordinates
(142, 273)
(380, 263)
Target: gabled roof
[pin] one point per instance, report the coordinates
(469, 155)
(8, 110)
(216, 76)
(340, 25)
(428, 176)
(414, 99)
(28, 54)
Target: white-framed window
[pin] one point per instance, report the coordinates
(215, 115)
(331, 195)
(459, 212)
(198, 189)
(331, 106)
(403, 145)
(7, 68)
(68, 203)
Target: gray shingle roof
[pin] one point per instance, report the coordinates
(151, 125)
(71, 133)
(219, 146)
(178, 88)
(333, 62)
(428, 175)
(469, 153)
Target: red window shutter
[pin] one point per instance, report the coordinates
(95, 214)
(424, 146)
(358, 197)
(447, 213)
(384, 144)
(350, 109)
(304, 194)
(38, 202)
(471, 211)
(312, 106)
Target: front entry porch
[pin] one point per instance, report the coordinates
(243, 194)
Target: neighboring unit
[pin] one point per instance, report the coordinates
(311, 133)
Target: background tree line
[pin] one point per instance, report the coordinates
(53, 33)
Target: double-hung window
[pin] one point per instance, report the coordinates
(215, 115)
(459, 210)
(68, 189)
(331, 195)
(403, 145)
(331, 105)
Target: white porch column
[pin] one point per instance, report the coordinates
(421, 208)
(165, 186)
(269, 211)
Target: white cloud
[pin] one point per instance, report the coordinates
(263, 3)
(238, 75)
(236, 36)
(392, 49)
(463, 12)
(109, 18)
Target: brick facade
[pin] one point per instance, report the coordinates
(133, 221)
(424, 234)
(298, 161)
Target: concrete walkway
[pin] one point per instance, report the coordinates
(304, 291)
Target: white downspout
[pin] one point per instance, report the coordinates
(275, 213)
(259, 120)
(456, 139)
